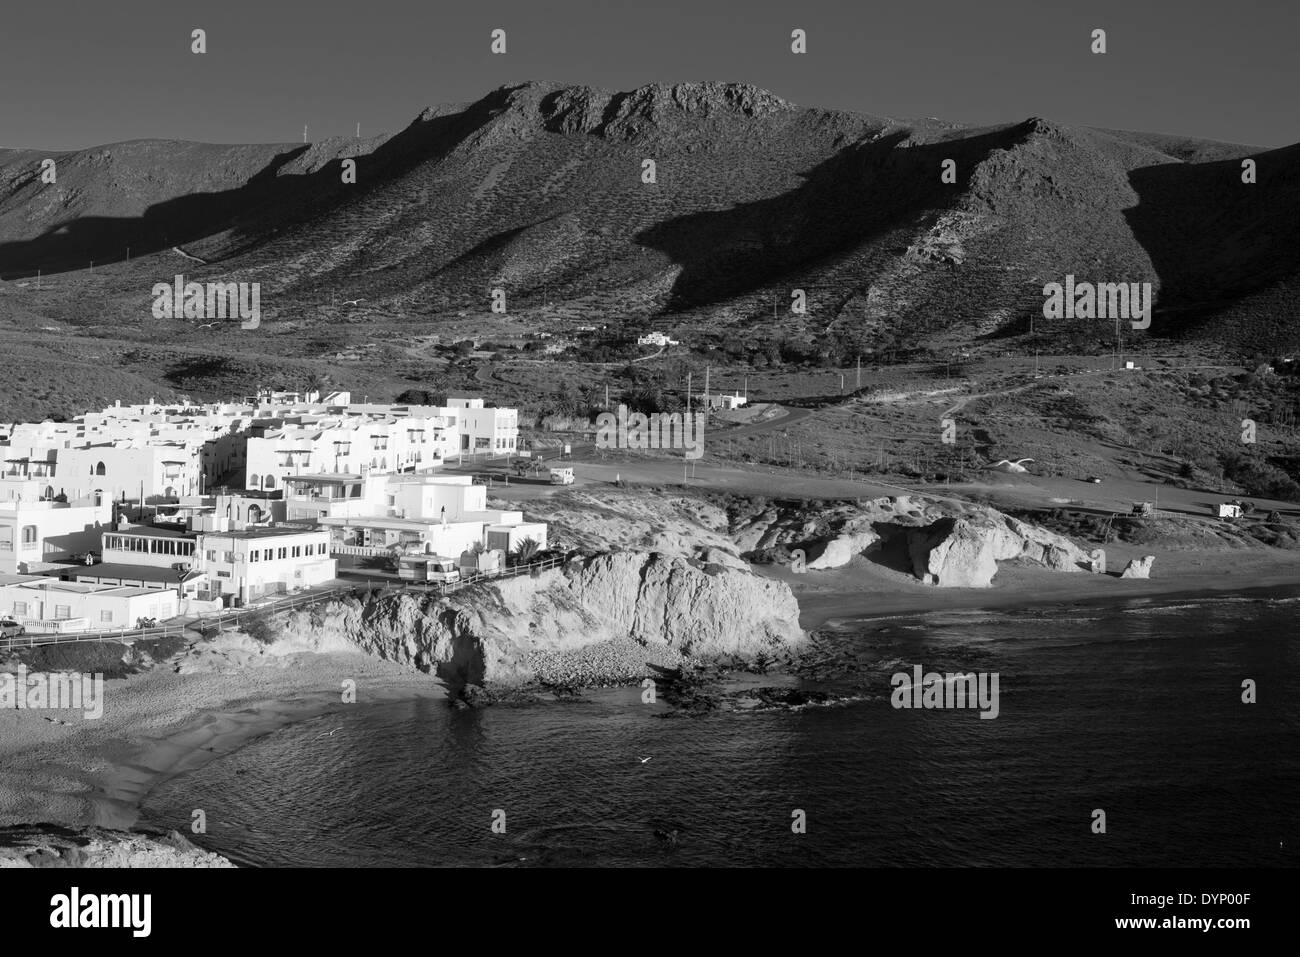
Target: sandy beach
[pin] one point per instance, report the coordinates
(161, 723)
(862, 589)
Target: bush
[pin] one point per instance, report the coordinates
(260, 626)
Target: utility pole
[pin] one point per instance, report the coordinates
(859, 380)
(358, 131)
(304, 132)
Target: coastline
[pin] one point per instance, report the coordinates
(161, 724)
(864, 590)
(164, 723)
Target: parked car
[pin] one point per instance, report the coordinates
(1094, 480)
(10, 628)
(146, 622)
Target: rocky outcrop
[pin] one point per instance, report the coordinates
(842, 549)
(493, 634)
(952, 553)
(1138, 567)
(57, 846)
(964, 552)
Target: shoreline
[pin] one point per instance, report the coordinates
(167, 722)
(862, 589)
(162, 724)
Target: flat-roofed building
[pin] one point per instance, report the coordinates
(243, 566)
(33, 533)
(48, 605)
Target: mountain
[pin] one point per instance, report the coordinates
(537, 189)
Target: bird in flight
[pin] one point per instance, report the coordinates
(1007, 465)
(330, 734)
(644, 760)
(352, 302)
(206, 325)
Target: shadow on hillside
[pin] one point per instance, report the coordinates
(1213, 238)
(859, 194)
(269, 201)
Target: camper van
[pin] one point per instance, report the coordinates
(428, 568)
(561, 476)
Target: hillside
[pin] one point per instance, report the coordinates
(536, 189)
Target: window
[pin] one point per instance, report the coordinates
(297, 551)
(254, 481)
(62, 612)
(105, 615)
(20, 608)
(266, 555)
(228, 557)
(212, 555)
(269, 482)
(252, 556)
(99, 469)
(282, 553)
(29, 535)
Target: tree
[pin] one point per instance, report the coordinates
(525, 551)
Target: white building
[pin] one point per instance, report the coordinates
(715, 400)
(257, 562)
(483, 431)
(47, 605)
(347, 445)
(656, 339)
(434, 514)
(33, 533)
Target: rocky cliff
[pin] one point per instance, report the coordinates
(57, 846)
(503, 634)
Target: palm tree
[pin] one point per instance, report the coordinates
(525, 550)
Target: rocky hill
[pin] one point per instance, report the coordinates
(537, 189)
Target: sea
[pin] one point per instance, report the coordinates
(1133, 710)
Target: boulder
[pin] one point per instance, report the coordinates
(953, 553)
(1138, 567)
(841, 549)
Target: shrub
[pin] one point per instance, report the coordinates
(260, 626)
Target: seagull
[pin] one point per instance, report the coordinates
(644, 760)
(206, 325)
(330, 734)
(353, 302)
(1008, 466)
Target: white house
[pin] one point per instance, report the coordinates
(256, 562)
(434, 514)
(656, 338)
(483, 431)
(36, 532)
(43, 604)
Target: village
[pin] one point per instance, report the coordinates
(139, 514)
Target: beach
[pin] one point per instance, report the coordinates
(161, 723)
(165, 722)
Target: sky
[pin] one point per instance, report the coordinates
(88, 72)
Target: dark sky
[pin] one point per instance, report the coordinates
(86, 72)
